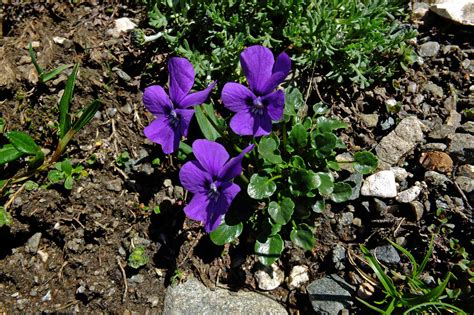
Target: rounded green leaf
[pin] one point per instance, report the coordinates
(325, 142)
(324, 124)
(297, 161)
(298, 137)
(267, 148)
(23, 142)
(260, 187)
(225, 234)
(303, 182)
(270, 250)
(327, 183)
(303, 237)
(5, 217)
(9, 153)
(365, 162)
(319, 206)
(55, 176)
(281, 213)
(341, 192)
(68, 182)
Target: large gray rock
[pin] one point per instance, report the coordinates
(462, 146)
(330, 295)
(461, 11)
(192, 297)
(400, 141)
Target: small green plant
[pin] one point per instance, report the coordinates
(137, 258)
(413, 295)
(5, 217)
(122, 159)
(64, 171)
(45, 76)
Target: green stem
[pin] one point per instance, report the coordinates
(275, 177)
(244, 178)
(213, 124)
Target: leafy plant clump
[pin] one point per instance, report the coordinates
(354, 40)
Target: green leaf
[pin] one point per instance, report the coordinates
(68, 182)
(225, 234)
(341, 192)
(270, 250)
(137, 258)
(34, 61)
(325, 142)
(303, 182)
(2, 125)
(65, 102)
(334, 165)
(324, 124)
(66, 167)
(260, 187)
(281, 213)
(9, 153)
(303, 237)
(266, 148)
(23, 142)
(297, 162)
(87, 115)
(298, 137)
(206, 127)
(432, 295)
(50, 75)
(320, 109)
(319, 206)
(293, 102)
(55, 176)
(31, 185)
(5, 217)
(365, 162)
(327, 183)
(385, 280)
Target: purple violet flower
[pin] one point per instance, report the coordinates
(256, 107)
(209, 179)
(173, 112)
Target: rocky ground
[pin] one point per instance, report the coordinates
(67, 250)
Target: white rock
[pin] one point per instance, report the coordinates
(409, 194)
(121, 25)
(381, 184)
(270, 278)
(461, 11)
(59, 40)
(400, 173)
(298, 276)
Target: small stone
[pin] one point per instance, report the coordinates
(465, 183)
(420, 9)
(298, 276)
(381, 184)
(437, 179)
(357, 222)
(400, 173)
(330, 295)
(43, 256)
(434, 89)
(111, 111)
(46, 297)
(436, 161)
(122, 74)
(386, 254)
(411, 88)
(461, 11)
(121, 25)
(345, 159)
(409, 194)
(467, 127)
(346, 218)
(417, 209)
(401, 240)
(339, 257)
(167, 183)
(434, 146)
(365, 290)
(418, 99)
(428, 49)
(370, 120)
(59, 40)
(114, 185)
(33, 243)
(126, 109)
(153, 301)
(462, 145)
(137, 279)
(450, 48)
(269, 278)
(466, 170)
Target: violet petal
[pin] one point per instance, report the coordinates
(211, 155)
(194, 178)
(159, 131)
(156, 99)
(242, 123)
(186, 115)
(275, 104)
(280, 71)
(218, 209)
(233, 168)
(197, 208)
(196, 98)
(236, 97)
(257, 64)
(262, 125)
(181, 78)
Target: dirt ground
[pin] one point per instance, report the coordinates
(67, 250)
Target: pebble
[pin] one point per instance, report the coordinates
(126, 109)
(462, 145)
(386, 254)
(412, 87)
(400, 141)
(114, 185)
(357, 222)
(122, 74)
(121, 25)
(401, 240)
(436, 161)
(137, 279)
(46, 297)
(434, 146)
(465, 183)
(400, 173)
(330, 295)
(298, 276)
(428, 49)
(409, 194)
(381, 184)
(167, 183)
(417, 210)
(466, 170)
(418, 99)
(437, 179)
(43, 256)
(338, 257)
(111, 111)
(33, 243)
(365, 290)
(370, 120)
(346, 218)
(59, 40)
(434, 89)
(269, 278)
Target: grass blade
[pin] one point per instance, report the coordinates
(430, 296)
(445, 306)
(34, 61)
(372, 307)
(23, 142)
(48, 76)
(86, 116)
(427, 256)
(65, 102)
(406, 253)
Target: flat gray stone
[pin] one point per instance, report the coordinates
(462, 145)
(428, 49)
(192, 297)
(386, 254)
(400, 141)
(33, 243)
(330, 295)
(381, 184)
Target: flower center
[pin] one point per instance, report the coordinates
(174, 119)
(213, 193)
(258, 106)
